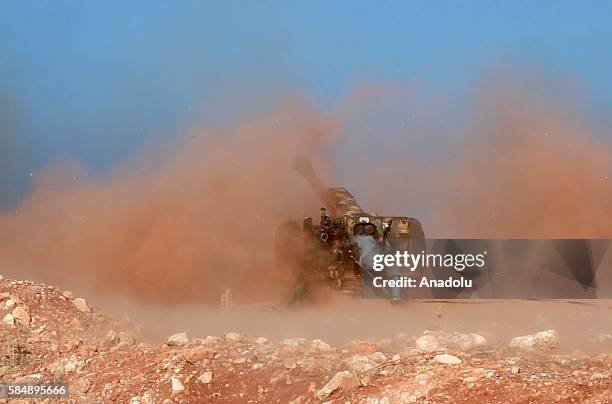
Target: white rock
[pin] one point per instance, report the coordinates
(261, 341)
(177, 386)
(447, 359)
(71, 365)
(9, 319)
(343, 381)
(206, 377)
(427, 343)
(467, 342)
(178, 339)
(525, 343)
(81, 304)
(320, 346)
(9, 303)
(543, 340)
(548, 339)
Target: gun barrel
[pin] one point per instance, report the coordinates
(303, 166)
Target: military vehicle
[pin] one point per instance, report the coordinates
(333, 250)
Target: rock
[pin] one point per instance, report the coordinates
(127, 337)
(359, 364)
(427, 343)
(292, 346)
(342, 382)
(543, 340)
(233, 336)
(110, 338)
(548, 339)
(289, 363)
(198, 354)
(34, 378)
(21, 315)
(177, 386)
(9, 303)
(319, 346)
(71, 365)
(210, 340)
(599, 375)
(80, 385)
(525, 343)
(447, 359)
(147, 398)
(206, 377)
(261, 341)
(467, 342)
(9, 319)
(377, 357)
(67, 294)
(178, 339)
(81, 305)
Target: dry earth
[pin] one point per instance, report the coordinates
(47, 335)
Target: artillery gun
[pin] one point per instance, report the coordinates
(334, 250)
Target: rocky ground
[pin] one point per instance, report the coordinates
(52, 336)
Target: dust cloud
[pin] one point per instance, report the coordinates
(529, 168)
(184, 223)
(520, 162)
(172, 225)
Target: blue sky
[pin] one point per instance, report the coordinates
(95, 80)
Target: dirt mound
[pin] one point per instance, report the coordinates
(51, 336)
